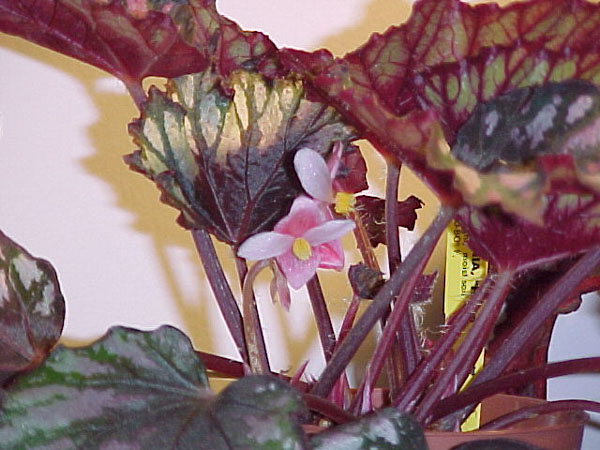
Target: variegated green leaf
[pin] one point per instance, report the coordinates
(521, 146)
(224, 158)
(32, 309)
(386, 430)
(144, 391)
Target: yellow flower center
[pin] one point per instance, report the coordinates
(301, 249)
(344, 202)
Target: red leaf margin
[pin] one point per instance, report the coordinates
(443, 61)
(135, 40)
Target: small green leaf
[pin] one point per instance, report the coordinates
(386, 430)
(32, 309)
(225, 160)
(144, 391)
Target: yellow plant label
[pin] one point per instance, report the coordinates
(464, 272)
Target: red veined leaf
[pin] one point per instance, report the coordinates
(447, 58)
(132, 40)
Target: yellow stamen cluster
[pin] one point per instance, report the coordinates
(344, 203)
(301, 249)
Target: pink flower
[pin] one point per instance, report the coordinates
(317, 177)
(301, 242)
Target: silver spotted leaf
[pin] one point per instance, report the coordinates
(32, 309)
(388, 429)
(514, 129)
(135, 390)
(223, 153)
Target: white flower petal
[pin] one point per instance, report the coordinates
(329, 231)
(268, 244)
(314, 174)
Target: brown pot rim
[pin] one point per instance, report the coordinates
(575, 419)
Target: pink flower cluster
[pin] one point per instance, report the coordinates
(307, 238)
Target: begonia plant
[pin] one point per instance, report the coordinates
(496, 109)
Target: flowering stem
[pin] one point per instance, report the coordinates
(397, 364)
(536, 410)
(322, 317)
(457, 370)
(221, 289)
(391, 220)
(456, 325)
(346, 350)
(257, 352)
(363, 242)
(473, 395)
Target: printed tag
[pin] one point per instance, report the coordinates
(464, 273)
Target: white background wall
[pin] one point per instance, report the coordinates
(66, 195)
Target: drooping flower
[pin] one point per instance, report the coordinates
(304, 240)
(317, 178)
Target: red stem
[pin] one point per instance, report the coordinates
(400, 311)
(468, 351)
(474, 394)
(137, 93)
(544, 309)
(322, 317)
(328, 409)
(346, 350)
(224, 366)
(221, 289)
(456, 326)
(520, 336)
(404, 354)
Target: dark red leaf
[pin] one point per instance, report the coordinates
(372, 213)
(351, 175)
(571, 224)
(132, 40)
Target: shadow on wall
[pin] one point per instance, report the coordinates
(138, 196)
(133, 193)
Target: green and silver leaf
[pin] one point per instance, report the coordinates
(222, 153)
(144, 391)
(32, 309)
(386, 430)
